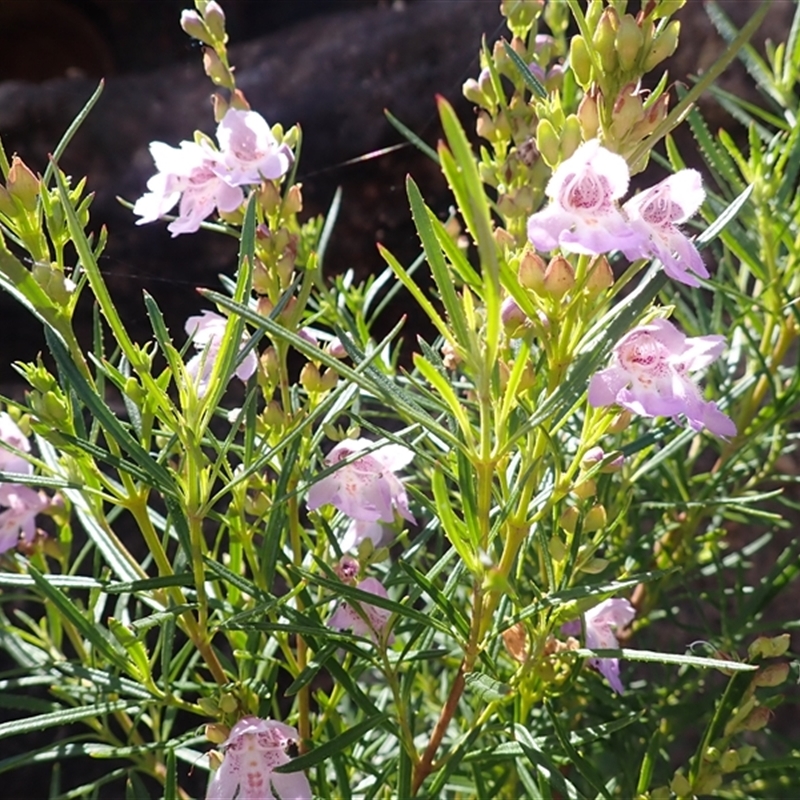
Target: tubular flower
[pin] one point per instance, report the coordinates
(186, 175)
(346, 618)
(582, 216)
(600, 624)
(654, 215)
(254, 748)
(650, 376)
(248, 150)
(18, 518)
(208, 330)
(12, 436)
(366, 489)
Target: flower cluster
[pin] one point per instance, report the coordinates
(201, 179)
(21, 503)
(367, 490)
(651, 364)
(254, 748)
(583, 216)
(650, 376)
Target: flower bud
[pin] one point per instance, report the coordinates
(220, 106)
(310, 378)
(629, 42)
(273, 416)
(22, 184)
(663, 46)
(655, 115)
(515, 640)
(593, 12)
(503, 238)
(712, 755)
(757, 719)
(512, 315)
(239, 102)
(194, 26)
(680, 785)
(264, 306)
(628, 111)
(605, 37)
(595, 519)
(746, 753)
(620, 422)
(293, 203)
(580, 61)
(531, 272)
(600, 277)
(335, 348)
(570, 137)
(269, 197)
(547, 140)
(708, 784)
(569, 519)
(472, 91)
(215, 20)
(557, 548)
(559, 277)
(485, 127)
(666, 8)
(328, 380)
(729, 761)
(594, 455)
(585, 489)
(269, 363)
(216, 733)
(450, 356)
(766, 647)
(588, 117)
(521, 14)
(773, 675)
(487, 88)
(216, 70)
(228, 703)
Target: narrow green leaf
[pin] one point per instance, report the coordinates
(84, 626)
(531, 81)
(441, 273)
(668, 658)
(42, 722)
(411, 136)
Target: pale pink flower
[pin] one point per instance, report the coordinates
(582, 216)
(208, 330)
(600, 623)
(650, 375)
(12, 436)
(253, 750)
(654, 215)
(18, 518)
(366, 489)
(249, 151)
(186, 175)
(371, 622)
(358, 530)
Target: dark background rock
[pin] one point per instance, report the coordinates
(334, 74)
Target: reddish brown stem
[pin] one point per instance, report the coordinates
(425, 765)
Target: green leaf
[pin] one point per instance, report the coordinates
(411, 136)
(17, 727)
(667, 658)
(85, 627)
(531, 81)
(441, 274)
(486, 688)
(156, 474)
